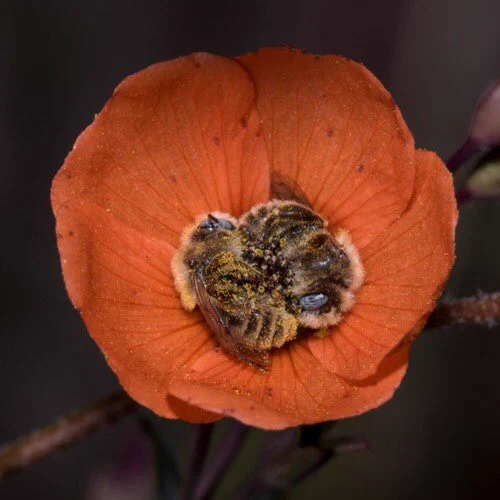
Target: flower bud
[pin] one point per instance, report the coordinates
(485, 127)
(484, 131)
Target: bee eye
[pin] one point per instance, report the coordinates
(225, 224)
(212, 223)
(313, 301)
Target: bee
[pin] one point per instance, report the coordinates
(266, 277)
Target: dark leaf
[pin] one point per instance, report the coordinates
(342, 445)
(312, 435)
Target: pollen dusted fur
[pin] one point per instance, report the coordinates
(180, 270)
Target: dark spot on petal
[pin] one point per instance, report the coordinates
(68, 175)
(196, 64)
(252, 407)
(173, 178)
(244, 122)
(329, 132)
(258, 133)
(70, 233)
(269, 391)
(217, 141)
(360, 168)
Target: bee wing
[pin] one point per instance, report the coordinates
(221, 329)
(284, 188)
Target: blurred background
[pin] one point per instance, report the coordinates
(60, 61)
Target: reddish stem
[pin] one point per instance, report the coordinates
(202, 435)
(462, 154)
(226, 454)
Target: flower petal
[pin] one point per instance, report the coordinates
(176, 140)
(296, 390)
(121, 283)
(406, 268)
(332, 127)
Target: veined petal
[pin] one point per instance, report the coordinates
(406, 269)
(296, 390)
(331, 127)
(176, 140)
(120, 281)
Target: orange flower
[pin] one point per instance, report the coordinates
(202, 133)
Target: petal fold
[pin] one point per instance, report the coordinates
(331, 127)
(176, 140)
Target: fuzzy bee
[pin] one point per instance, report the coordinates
(262, 279)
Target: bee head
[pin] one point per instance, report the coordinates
(213, 225)
(329, 274)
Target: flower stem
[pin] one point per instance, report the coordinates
(481, 309)
(202, 435)
(229, 450)
(464, 195)
(462, 154)
(63, 433)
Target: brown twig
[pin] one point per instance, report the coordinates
(63, 433)
(481, 309)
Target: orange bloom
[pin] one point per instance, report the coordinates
(202, 133)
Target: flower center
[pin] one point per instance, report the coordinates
(261, 278)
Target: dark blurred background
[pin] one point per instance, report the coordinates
(59, 62)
